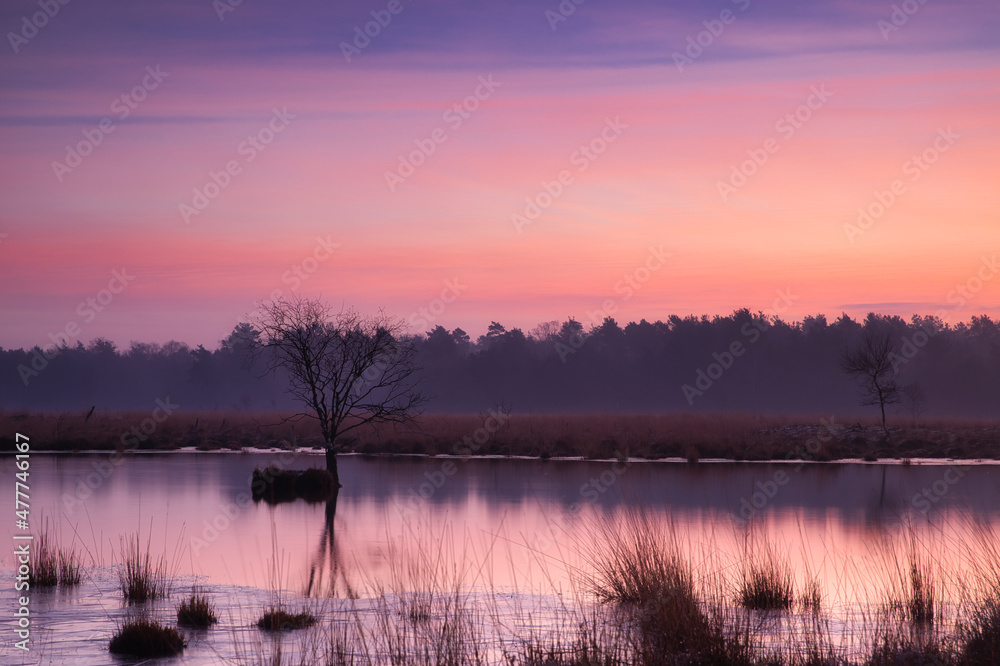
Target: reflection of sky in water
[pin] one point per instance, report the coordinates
(508, 525)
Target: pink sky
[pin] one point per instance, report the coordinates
(655, 185)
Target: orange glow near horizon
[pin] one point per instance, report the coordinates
(655, 184)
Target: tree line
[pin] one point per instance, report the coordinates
(744, 361)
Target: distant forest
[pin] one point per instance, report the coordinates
(741, 362)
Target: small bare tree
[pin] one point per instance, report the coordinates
(349, 371)
(870, 363)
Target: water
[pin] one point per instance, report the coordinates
(519, 534)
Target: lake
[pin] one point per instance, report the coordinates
(517, 537)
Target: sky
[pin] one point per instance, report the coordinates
(167, 166)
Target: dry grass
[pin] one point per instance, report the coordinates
(70, 568)
(981, 637)
(766, 581)
(277, 619)
(196, 611)
(44, 562)
(141, 578)
(678, 435)
(811, 599)
(144, 638)
(643, 570)
(922, 595)
(766, 587)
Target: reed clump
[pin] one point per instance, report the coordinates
(277, 619)
(653, 583)
(981, 644)
(70, 568)
(197, 612)
(144, 638)
(140, 577)
(275, 485)
(766, 583)
(44, 563)
(921, 597)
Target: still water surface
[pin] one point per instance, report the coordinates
(524, 528)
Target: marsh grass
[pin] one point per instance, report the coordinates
(811, 599)
(197, 612)
(141, 578)
(916, 585)
(766, 581)
(981, 637)
(277, 619)
(922, 593)
(903, 650)
(44, 562)
(643, 602)
(144, 638)
(51, 565)
(70, 568)
(645, 573)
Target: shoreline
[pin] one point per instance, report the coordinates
(901, 462)
(672, 437)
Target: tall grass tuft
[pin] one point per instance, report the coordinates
(767, 580)
(69, 568)
(197, 612)
(921, 596)
(811, 599)
(44, 563)
(645, 573)
(982, 636)
(141, 579)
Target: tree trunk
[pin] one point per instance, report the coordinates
(884, 429)
(331, 465)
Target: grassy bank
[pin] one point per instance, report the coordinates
(654, 436)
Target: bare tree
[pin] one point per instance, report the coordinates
(870, 363)
(349, 371)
